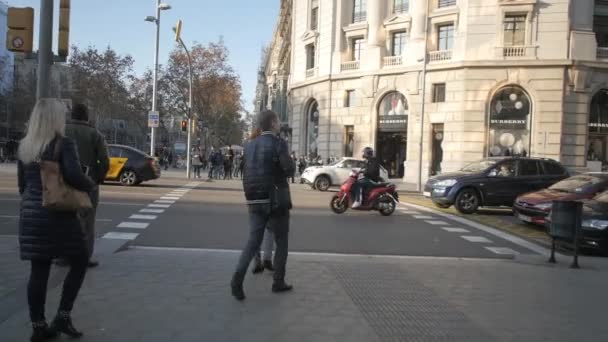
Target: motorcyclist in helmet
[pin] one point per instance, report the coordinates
(371, 175)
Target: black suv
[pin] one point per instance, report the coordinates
(493, 182)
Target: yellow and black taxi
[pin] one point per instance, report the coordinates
(130, 166)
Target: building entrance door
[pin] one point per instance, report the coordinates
(437, 149)
(392, 149)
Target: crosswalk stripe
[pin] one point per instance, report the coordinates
(169, 198)
(152, 211)
(133, 225)
(422, 217)
(436, 223)
(502, 250)
(455, 230)
(159, 205)
(143, 217)
(164, 202)
(479, 239)
(120, 236)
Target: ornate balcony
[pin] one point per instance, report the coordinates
(438, 56)
(602, 52)
(392, 61)
(350, 65)
(311, 72)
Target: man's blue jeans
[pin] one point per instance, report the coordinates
(260, 219)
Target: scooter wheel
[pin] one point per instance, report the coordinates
(390, 210)
(337, 205)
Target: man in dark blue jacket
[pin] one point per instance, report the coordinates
(267, 166)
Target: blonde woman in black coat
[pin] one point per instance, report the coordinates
(45, 235)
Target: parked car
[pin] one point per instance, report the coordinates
(594, 223)
(324, 176)
(492, 182)
(130, 166)
(534, 207)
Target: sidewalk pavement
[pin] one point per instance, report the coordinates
(144, 294)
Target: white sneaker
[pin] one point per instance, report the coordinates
(356, 204)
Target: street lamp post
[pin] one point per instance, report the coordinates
(156, 20)
(178, 38)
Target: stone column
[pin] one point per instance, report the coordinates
(338, 38)
(376, 13)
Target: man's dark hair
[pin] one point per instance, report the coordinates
(266, 119)
(80, 112)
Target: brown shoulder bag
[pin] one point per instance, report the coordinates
(57, 195)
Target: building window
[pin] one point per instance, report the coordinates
(515, 30)
(312, 119)
(349, 141)
(357, 49)
(314, 15)
(445, 37)
(438, 92)
(600, 23)
(509, 123)
(446, 3)
(359, 11)
(401, 6)
(349, 100)
(398, 43)
(310, 56)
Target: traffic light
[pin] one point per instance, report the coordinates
(20, 34)
(63, 47)
(184, 125)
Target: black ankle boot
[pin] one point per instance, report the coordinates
(281, 286)
(237, 286)
(259, 267)
(41, 332)
(63, 324)
(268, 265)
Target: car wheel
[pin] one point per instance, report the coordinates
(322, 183)
(467, 201)
(442, 206)
(128, 178)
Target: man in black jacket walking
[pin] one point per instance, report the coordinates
(267, 166)
(93, 154)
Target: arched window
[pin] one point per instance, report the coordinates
(597, 149)
(510, 123)
(312, 129)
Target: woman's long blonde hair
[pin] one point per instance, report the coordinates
(46, 122)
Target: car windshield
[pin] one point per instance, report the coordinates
(479, 166)
(603, 197)
(576, 184)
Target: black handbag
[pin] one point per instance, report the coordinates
(280, 199)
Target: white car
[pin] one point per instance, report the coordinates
(322, 177)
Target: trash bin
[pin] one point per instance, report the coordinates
(565, 225)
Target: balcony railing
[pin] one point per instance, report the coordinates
(602, 52)
(401, 8)
(393, 61)
(311, 72)
(514, 51)
(350, 65)
(443, 55)
(359, 17)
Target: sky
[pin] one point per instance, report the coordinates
(245, 25)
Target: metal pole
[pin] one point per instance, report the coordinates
(155, 82)
(45, 50)
(424, 71)
(188, 154)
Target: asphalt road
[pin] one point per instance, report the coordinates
(214, 216)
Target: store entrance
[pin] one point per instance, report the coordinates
(392, 149)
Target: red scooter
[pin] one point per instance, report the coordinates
(383, 198)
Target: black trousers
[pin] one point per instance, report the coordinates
(39, 278)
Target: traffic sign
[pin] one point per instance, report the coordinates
(153, 120)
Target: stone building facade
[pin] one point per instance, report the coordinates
(434, 84)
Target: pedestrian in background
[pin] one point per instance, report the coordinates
(93, 153)
(267, 166)
(227, 167)
(45, 234)
(197, 162)
(294, 160)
